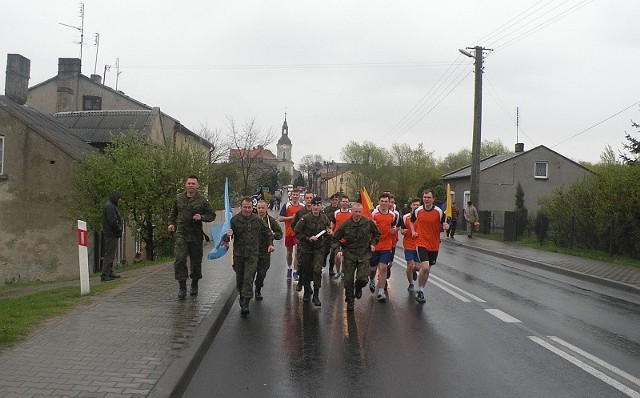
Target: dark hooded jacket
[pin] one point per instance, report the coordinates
(111, 218)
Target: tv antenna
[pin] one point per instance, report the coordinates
(79, 28)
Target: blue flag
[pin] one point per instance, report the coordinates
(219, 231)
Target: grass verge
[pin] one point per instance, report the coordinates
(19, 316)
(549, 246)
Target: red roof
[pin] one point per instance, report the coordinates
(257, 152)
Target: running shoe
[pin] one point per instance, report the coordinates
(372, 286)
(420, 298)
(415, 275)
(411, 288)
(289, 271)
(296, 276)
(382, 297)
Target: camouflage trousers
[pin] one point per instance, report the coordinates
(356, 274)
(310, 265)
(264, 263)
(193, 251)
(245, 268)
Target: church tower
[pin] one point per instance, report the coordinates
(284, 149)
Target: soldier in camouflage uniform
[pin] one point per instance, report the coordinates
(264, 258)
(311, 249)
(250, 234)
(190, 209)
(308, 197)
(330, 212)
(360, 235)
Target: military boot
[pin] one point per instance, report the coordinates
(307, 294)
(350, 305)
(258, 294)
(194, 288)
(316, 297)
(244, 306)
(182, 290)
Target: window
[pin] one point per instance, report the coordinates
(541, 170)
(1, 154)
(91, 103)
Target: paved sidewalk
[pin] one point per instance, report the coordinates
(627, 278)
(135, 341)
(139, 340)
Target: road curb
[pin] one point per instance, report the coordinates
(178, 375)
(588, 277)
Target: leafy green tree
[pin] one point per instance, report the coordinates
(299, 181)
(462, 158)
(148, 178)
(412, 168)
(633, 146)
(284, 178)
(608, 156)
(599, 212)
(370, 167)
(541, 226)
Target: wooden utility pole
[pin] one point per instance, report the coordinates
(477, 122)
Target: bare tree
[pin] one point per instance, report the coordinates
(245, 145)
(311, 165)
(215, 136)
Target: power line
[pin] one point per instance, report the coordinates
(596, 125)
(293, 66)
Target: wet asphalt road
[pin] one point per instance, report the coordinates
(489, 328)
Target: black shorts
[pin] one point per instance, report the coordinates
(426, 255)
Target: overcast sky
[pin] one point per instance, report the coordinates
(387, 72)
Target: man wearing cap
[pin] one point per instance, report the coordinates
(311, 230)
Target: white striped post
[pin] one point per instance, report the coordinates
(83, 257)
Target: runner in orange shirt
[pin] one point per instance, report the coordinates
(409, 245)
(287, 213)
(381, 257)
(426, 221)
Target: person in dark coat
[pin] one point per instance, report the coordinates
(112, 231)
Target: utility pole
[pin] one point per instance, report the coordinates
(477, 121)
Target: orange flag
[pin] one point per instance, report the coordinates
(367, 206)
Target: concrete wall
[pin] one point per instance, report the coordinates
(498, 183)
(36, 241)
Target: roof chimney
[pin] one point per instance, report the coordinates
(519, 147)
(96, 79)
(17, 79)
(68, 79)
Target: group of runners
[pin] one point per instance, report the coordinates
(360, 249)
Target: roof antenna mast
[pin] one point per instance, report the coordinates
(79, 28)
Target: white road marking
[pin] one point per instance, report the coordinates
(503, 316)
(439, 282)
(597, 360)
(451, 292)
(587, 368)
(473, 297)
